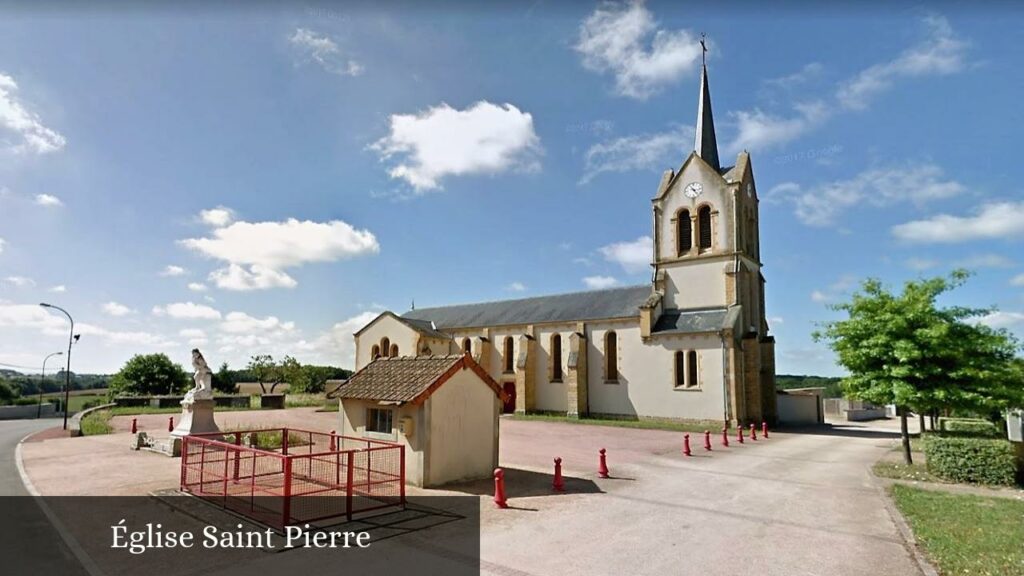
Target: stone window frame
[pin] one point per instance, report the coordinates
(385, 346)
(393, 352)
(508, 350)
(611, 358)
(467, 346)
(556, 372)
(378, 417)
(683, 215)
(375, 352)
(692, 370)
(709, 226)
(689, 380)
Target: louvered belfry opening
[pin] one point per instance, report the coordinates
(704, 226)
(685, 240)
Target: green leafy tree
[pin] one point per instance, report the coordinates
(263, 368)
(224, 379)
(149, 374)
(8, 392)
(903, 349)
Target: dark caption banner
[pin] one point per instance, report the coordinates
(180, 535)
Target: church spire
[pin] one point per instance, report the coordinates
(705, 144)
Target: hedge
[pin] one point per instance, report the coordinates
(976, 460)
(970, 426)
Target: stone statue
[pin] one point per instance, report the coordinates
(203, 377)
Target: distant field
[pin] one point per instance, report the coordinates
(254, 388)
(78, 398)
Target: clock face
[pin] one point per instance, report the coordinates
(693, 189)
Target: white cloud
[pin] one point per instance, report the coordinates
(985, 261)
(324, 51)
(999, 319)
(991, 221)
(197, 287)
(637, 152)
(217, 217)
(1017, 280)
(194, 336)
(30, 316)
(117, 338)
(442, 141)
(171, 270)
(837, 289)
(941, 53)
(116, 309)
(822, 204)
(19, 281)
(187, 311)
(599, 282)
(2, 244)
(48, 200)
(20, 129)
(336, 346)
(242, 323)
(634, 257)
(819, 296)
(757, 130)
(921, 264)
(516, 287)
(623, 39)
(58, 289)
(239, 279)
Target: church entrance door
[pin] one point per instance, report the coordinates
(510, 392)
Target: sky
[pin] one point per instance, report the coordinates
(268, 179)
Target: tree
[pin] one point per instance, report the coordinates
(224, 380)
(149, 374)
(904, 350)
(265, 371)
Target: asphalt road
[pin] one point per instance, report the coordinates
(29, 543)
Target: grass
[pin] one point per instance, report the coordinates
(641, 424)
(97, 423)
(133, 410)
(270, 439)
(966, 534)
(78, 399)
(901, 471)
(307, 400)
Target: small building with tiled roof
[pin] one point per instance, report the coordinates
(443, 409)
(692, 344)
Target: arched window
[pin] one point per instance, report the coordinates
(385, 346)
(510, 361)
(704, 227)
(680, 358)
(691, 369)
(684, 228)
(556, 357)
(394, 350)
(467, 346)
(375, 352)
(611, 357)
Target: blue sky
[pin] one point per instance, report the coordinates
(266, 180)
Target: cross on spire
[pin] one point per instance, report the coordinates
(704, 49)
(705, 143)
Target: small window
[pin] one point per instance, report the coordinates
(385, 346)
(704, 227)
(556, 357)
(394, 350)
(375, 352)
(680, 372)
(467, 346)
(510, 361)
(611, 357)
(378, 420)
(685, 231)
(691, 369)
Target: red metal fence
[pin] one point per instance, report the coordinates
(286, 476)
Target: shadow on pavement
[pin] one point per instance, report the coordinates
(524, 483)
(840, 430)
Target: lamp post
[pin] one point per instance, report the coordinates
(67, 372)
(42, 379)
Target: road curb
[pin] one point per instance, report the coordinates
(20, 463)
(909, 542)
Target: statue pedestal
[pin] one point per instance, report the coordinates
(196, 418)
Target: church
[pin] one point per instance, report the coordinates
(692, 345)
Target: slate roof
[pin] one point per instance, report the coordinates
(577, 306)
(406, 378)
(695, 321)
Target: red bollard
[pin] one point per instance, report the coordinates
(558, 484)
(686, 444)
(602, 468)
(499, 488)
(135, 425)
(764, 429)
(725, 437)
(739, 433)
(707, 440)
(753, 432)
(170, 424)
(332, 441)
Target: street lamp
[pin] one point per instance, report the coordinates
(67, 372)
(42, 379)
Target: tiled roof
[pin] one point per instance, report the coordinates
(406, 378)
(695, 321)
(593, 305)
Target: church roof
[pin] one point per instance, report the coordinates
(695, 321)
(573, 307)
(407, 378)
(705, 143)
